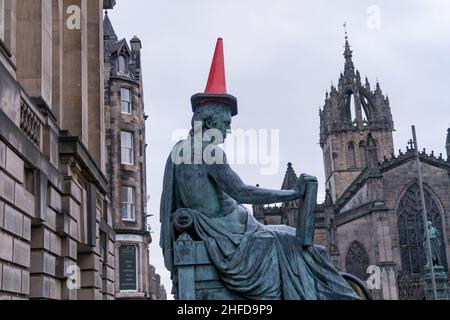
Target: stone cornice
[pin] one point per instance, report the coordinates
(8, 55)
(357, 213)
(72, 146)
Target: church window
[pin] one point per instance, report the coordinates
(411, 231)
(328, 163)
(357, 261)
(351, 157)
(362, 154)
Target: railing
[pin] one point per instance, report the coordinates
(30, 123)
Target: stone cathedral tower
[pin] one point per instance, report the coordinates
(352, 115)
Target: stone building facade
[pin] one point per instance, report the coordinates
(157, 290)
(56, 235)
(372, 212)
(126, 165)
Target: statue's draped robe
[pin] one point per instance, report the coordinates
(255, 261)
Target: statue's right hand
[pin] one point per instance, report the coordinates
(304, 179)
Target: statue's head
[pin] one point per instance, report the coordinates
(213, 116)
(215, 107)
(430, 224)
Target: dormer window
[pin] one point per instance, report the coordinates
(123, 64)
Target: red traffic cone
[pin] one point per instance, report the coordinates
(216, 81)
(216, 88)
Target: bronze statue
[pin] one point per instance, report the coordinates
(435, 241)
(254, 261)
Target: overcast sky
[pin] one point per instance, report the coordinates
(281, 57)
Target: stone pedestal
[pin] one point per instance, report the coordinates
(442, 285)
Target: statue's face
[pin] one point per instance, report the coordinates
(221, 122)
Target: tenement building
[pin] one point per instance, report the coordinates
(157, 290)
(125, 141)
(56, 223)
(372, 212)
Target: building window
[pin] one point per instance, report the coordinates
(128, 204)
(127, 144)
(328, 163)
(412, 232)
(351, 156)
(362, 154)
(125, 100)
(2, 20)
(104, 246)
(128, 268)
(357, 261)
(123, 65)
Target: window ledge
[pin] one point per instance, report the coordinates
(130, 295)
(129, 167)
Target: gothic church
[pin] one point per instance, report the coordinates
(372, 212)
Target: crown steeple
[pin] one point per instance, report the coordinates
(349, 69)
(354, 114)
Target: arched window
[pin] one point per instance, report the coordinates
(362, 154)
(351, 157)
(128, 268)
(123, 64)
(328, 163)
(357, 261)
(372, 152)
(350, 108)
(411, 231)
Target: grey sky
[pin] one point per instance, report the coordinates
(281, 57)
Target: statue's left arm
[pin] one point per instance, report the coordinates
(230, 183)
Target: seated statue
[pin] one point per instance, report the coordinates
(254, 261)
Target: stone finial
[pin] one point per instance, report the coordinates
(447, 145)
(410, 145)
(290, 179)
(367, 84)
